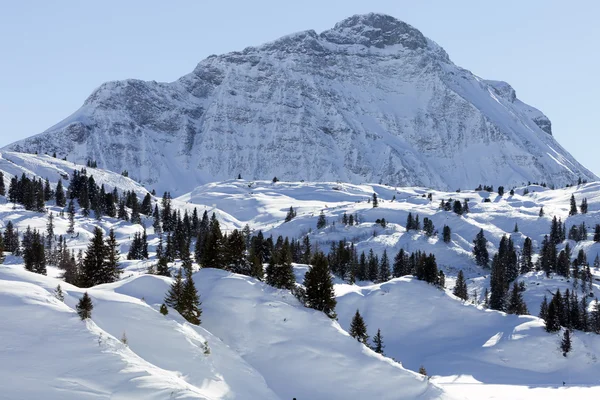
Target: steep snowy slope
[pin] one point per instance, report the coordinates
(265, 345)
(371, 100)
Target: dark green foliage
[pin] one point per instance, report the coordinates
(138, 249)
(526, 263)
(573, 209)
(59, 195)
(504, 271)
(100, 262)
(516, 304)
(163, 309)
(280, 272)
(428, 227)
(544, 309)
(375, 202)
(597, 233)
(235, 254)
(401, 264)
(460, 288)
(384, 268)
(34, 255)
(190, 302)
(321, 222)
(1, 249)
(11, 238)
(358, 328)
(319, 286)
(553, 316)
(378, 345)
(500, 191)
(85, 307)
(457, 207)
(447, 234)
(2, 187)
(426, 269)
(146, 207)
(175, 294)
(290, 215)
(584, 206)
(27, 192)
(565, 343)
(541, 213)
(480, 251)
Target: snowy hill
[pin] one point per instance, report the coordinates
(370, 100)
(263, 342)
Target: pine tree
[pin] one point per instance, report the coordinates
(447, 234)
(516, 304)
(146, 207)
(375, 202)
(59, 294)
(174, 297)
(541, 213)
(358, 328)
(93, 271)
(85, 307)
(595, 317)
(112, 254)
(290, 215)
(544, 309)
(565, 343)
(460, 288)
(190, 304)
(378, 345)
(59, 195)
(480, 249)
(319, 286)
(321, 222)
(384, 268)
(163, 309)
(584, 206)
(526, 263)
(2, 187)
(573, 210)
(280, 272)
(71, 212)
(554, 312)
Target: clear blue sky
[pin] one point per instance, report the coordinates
(55, 53)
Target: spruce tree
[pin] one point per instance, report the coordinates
(375, 202)
(71, 212)
(447, 234)
(480, 249)
(553, 316)
(544, 309)
(358, 329)
(460, 288)
(526, 263)
(516, 304)
(163, 309)
(2, 187)
(321, 222)
(58, 293)
(566, 342)
(59, 195)
(85, 307)
(573, 210)
(384, 268)
(190, 304)
(174, 297)
(93, 271)
(541, 213)
(378, 345)
(112, 254)
(319, 286)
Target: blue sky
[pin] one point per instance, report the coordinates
(53, 54)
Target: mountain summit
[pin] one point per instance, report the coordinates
(371, 100)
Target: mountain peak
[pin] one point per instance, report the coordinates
(376, 30)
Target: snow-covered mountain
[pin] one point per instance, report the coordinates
(371, 100)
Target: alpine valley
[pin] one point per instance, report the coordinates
(333, 216)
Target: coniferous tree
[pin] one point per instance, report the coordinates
(163, 309)
(280, 272)
(11, 238)
(2, 187)
(480, 249)
(71, 212)
(95, 271)
(565, 344)
(457, 207)
(190, 307)
(85, 307)
(1, 249)
(447, 234)
(112, 254)
(584, 206)
(378, 345)
(541, 213)
(544, 309)
(146, 207)
(595, 317)
(516, 304)
(212, 253)
(319, 286)
(358, 328)
(59, 195)
(175, 294)
(460, 288)
(384, 268)
(400, 264)
(235, 254)
(321, 222)
(58, 293)
(34, 256)
(573, 210)
(526, 263)
(290, 215)
(375, 202)
(554, 313)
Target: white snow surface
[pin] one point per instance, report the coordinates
(264, 344)
(371, 100)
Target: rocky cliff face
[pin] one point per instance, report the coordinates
(371, 100)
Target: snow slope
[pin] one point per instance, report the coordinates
(370, 100)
